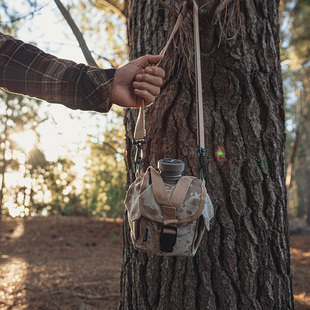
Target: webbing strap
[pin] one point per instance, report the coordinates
(140, 132)
(199, 100)
(168, 205)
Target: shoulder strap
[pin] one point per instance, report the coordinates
(199, 100)
(160, 194)
(180, 191)
(169, 206)
(140, 132)
(158, 188)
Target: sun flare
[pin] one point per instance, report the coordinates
(26, 139)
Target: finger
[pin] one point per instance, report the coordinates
(157, 71)
(154, 90)
(147, 60)
(153, 59)
(144, 94)
(150, 79)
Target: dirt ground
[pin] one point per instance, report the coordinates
(60, 263)
(74, 263)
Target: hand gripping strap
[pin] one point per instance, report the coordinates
(140, 132)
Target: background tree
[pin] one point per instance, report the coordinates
(18, 114)
(296, 55)
(98, 24)
(243, 262)
(105, 179)
(104, 182)
(64, 199)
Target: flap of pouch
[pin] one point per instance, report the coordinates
(194, 202)
(186, 210)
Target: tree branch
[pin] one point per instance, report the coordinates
(79, 36)
(25, 16)
(106, 59)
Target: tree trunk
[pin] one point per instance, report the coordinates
(3, 148)
(244, 261)
(3, 168)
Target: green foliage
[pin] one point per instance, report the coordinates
(113, 238)
(103, 25)
(106, 174)
(64, 199)
(55, 187)
(296, 73)
(300, 29)
(296, 31)
(18, 115)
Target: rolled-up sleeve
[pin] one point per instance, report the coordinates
(25, 69)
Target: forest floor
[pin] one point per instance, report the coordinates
(71, 263)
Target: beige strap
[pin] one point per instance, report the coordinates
(160, 193)
(169, 211)
(169, 206)
(159, 190)
(180, 191)
(199, 99)
(176, 27)
(140, 132)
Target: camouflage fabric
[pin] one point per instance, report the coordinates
(147, 216)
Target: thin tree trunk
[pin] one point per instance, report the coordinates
(290, 166)
(2, 183)
(3, 170)
(244, 261)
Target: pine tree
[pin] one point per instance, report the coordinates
(244, 261)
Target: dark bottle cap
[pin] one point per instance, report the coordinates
(171, 170)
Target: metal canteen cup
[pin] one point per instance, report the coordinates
(170, 170)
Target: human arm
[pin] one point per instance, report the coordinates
(27, 70)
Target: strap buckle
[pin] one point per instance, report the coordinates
(139, 153)
(168, 238)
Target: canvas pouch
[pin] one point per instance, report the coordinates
(165, 219)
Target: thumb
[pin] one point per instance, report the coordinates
(147, 60)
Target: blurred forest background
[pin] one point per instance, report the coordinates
(57, 161)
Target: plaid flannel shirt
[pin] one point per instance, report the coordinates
(27, 70)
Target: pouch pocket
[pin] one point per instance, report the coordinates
(200, 228)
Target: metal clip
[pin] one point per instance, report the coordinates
(202, 162)
(139, 153)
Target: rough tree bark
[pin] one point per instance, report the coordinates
(244, 261)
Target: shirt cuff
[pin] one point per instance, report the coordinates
(97, 86)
